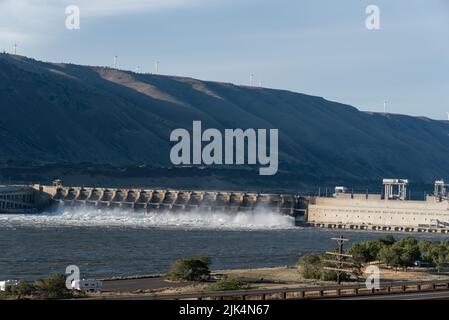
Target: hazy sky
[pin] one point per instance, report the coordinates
(318, 47)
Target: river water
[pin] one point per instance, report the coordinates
(118, 243)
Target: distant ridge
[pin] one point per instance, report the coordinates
(66, 113)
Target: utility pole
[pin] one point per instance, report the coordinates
(338, 259)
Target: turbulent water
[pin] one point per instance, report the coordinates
(112, 243)
(259, 219)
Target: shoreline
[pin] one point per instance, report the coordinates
(258, 278)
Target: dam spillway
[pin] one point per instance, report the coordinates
(160, 200)
(390, 211)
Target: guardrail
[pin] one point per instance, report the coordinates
(307, 292)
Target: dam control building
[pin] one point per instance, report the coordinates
(390, 211)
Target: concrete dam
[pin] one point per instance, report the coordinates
(158, 200)
(388, 211)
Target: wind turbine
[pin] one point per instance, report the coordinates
(251, 78)
(447, 116)
(115, 62)
(385, 106)
(15, 48)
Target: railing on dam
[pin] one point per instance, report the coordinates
(172, 200)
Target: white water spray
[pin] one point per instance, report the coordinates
(259, 219)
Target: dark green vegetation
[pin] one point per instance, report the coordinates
(197, 269)
(115, 125)
(312, 267)
(190, 269)
(52, 287)
(404, 253)
(227, 284)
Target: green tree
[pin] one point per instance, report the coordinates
(366, 251)
(424, 248)
(389, 256)
(439, 253)
(402, 254)
(388, 240)
(310, 266)
(359, 252)
(193, 269)
(409, 251)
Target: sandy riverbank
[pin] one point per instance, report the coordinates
(258, 278)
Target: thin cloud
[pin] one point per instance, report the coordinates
(116, 7)
(34, 21)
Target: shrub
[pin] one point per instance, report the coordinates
(193, 269)
(310, 266)
(52, 287)
(227, 284)
(23, 288)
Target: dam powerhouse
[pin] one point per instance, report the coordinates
(389, 211)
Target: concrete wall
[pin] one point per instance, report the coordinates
(374, 211)
(158, 199)
(15, 199)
